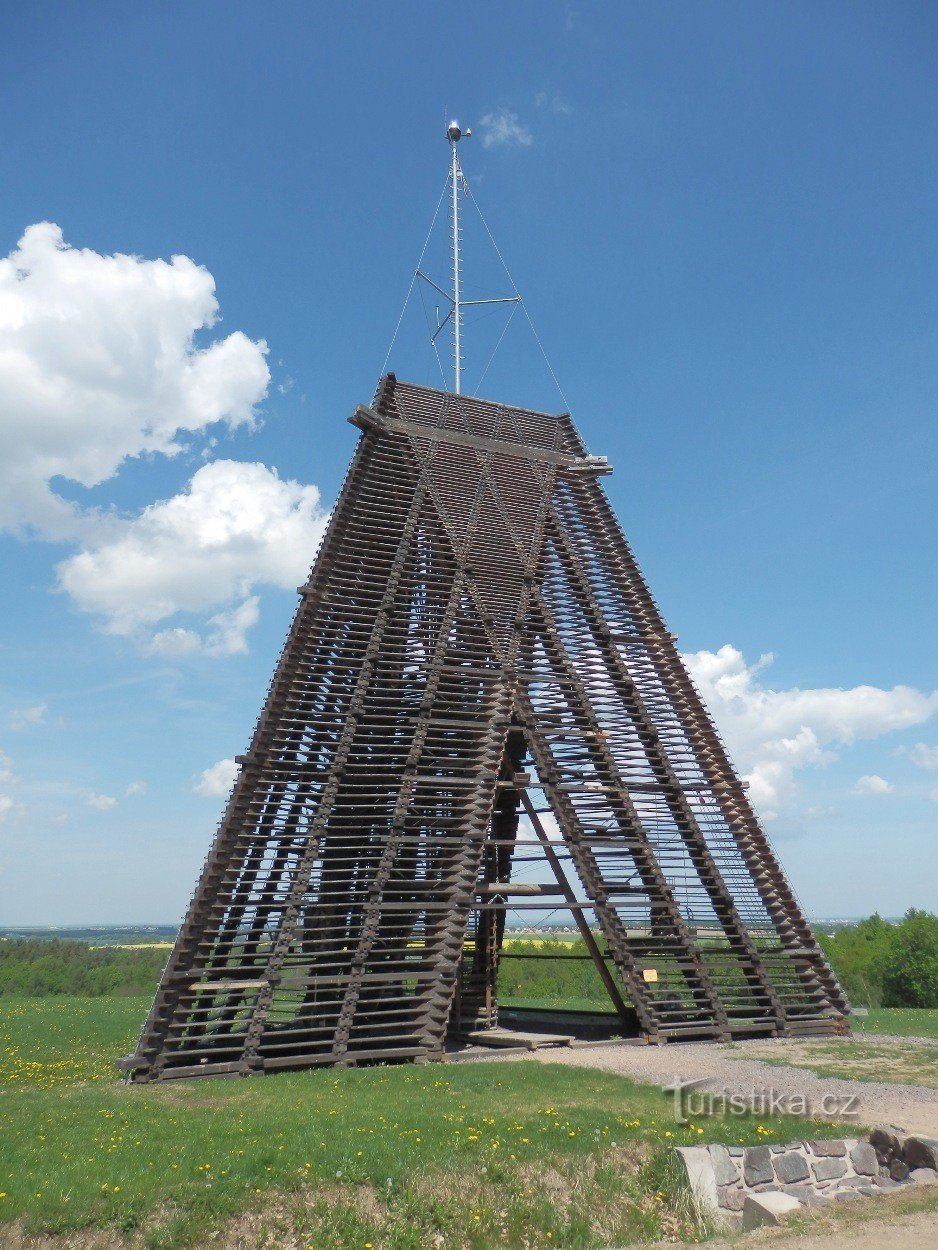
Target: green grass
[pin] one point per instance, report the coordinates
(50, 1042)
(469, 1154)
(561, 1004)
(898, 1021)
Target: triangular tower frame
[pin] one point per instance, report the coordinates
(475, 645)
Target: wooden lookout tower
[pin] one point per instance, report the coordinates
(478, 710)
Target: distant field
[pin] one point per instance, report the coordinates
(142, 946)
(473, 1154)
(101, 935)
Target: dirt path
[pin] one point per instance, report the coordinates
(729, 1070)
(910, 1231)
(897, 1230)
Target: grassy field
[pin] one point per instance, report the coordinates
(469, 1154)
(899, 1022)
(464, 1155)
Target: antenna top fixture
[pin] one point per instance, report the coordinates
(457, 179)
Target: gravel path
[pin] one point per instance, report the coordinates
(895, 1232)
(720, 1068)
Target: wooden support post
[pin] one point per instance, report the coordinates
(586, 933)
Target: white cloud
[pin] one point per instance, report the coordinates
(933, 795)
(174, 643)
(872, 784)
(135, 787)
(229, 633)
(553, 104)
(502, 129)
(924, 756)
(98, 363)
(234, 527)
(774, 733)
(217, 781)
(6, 775)
(102, 802)
(24, 717)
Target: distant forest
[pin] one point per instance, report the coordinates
(38, 967)
(879, 964)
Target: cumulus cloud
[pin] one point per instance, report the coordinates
(923, 756)
(6, 806)
(502, 129)
(135, 787)
(98, 363)
(872, 784)
(101, 802)
(774, 733)
(217, 781)
(933, 795)
(104, 358)
(24, 717)
(234, 527)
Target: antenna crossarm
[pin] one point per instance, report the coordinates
(446, 295)
(505, 299)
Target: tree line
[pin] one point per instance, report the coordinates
(887, 965)
(879, 964)
(40, 967)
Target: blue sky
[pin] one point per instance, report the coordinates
(723, 220)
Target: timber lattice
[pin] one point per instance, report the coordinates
(475, 639)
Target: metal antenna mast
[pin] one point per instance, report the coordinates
(454, 133)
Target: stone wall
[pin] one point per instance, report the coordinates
(729, 1180)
